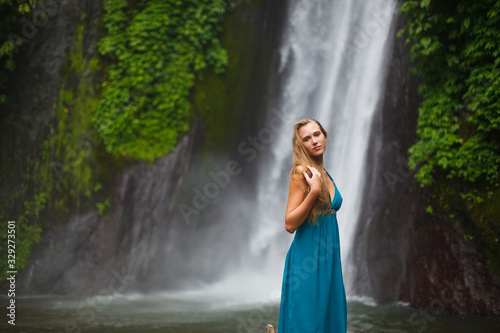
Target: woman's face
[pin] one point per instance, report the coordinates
(314, 140)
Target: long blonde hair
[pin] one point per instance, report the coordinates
(302, 158)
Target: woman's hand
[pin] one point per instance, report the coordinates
(314, 181)
(299, 207)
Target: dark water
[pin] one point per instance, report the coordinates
(168, 313)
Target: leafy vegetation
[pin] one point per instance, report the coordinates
(158, 50)
(455, 46)
(16, 28)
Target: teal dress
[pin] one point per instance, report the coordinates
(312, 294)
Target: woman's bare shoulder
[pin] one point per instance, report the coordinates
(298, 175)
(299, 169)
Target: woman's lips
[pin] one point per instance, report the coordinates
(317, 147)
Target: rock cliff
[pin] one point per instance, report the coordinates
(401, 252)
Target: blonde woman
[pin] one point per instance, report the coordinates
(313, 295)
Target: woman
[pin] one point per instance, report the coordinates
(312, 296)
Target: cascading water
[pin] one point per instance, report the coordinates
(333, 56)
(332, 69)
(333, 59)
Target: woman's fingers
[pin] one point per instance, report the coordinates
(314, 171)
(315, 179)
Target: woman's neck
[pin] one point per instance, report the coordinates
(319, 161)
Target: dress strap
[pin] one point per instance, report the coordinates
(333, 181)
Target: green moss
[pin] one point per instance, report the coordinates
(75, 169)
(218, 99)
(11, 37)
(58, 177)
(455, 48)
(476, 213)
(486, 226)
(159, 49)
(102, 206)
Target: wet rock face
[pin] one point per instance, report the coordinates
(34, 86)
(402, 253)
(105, 254)
(36, 81)
(142, 242)
(26, 119)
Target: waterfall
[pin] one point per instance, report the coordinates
(331, 68)
(333, 59)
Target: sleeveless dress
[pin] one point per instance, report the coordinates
(312, 295)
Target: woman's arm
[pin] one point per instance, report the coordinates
(298, 207)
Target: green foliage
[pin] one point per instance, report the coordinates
(158, 51)
(456, 50)
(455, 46)
(102, 206)
(218, 99)
(15, 13)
